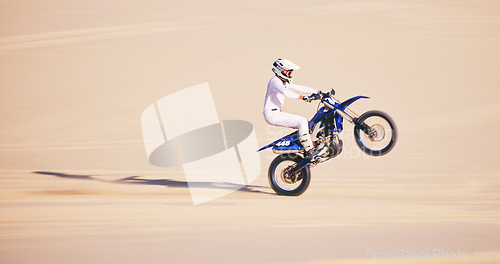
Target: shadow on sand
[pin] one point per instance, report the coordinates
(160, 182)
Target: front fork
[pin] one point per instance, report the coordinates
(353, 118)
(363, 126)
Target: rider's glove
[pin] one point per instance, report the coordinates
(307, 98)
(315, 96)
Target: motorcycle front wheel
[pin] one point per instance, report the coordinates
(284, 184)
(375, 133)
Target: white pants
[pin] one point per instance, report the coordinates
(278, 118)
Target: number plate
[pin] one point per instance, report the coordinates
(284, 143)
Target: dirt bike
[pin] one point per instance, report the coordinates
(374, 131)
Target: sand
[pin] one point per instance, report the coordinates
(76, 185)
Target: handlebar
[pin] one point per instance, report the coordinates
(324, 95)
(327, 94)
(320, 96)
(332, 92)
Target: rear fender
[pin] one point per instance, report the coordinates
(286, 141)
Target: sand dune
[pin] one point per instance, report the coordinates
(76, 185)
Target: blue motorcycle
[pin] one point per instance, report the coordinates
(374, 131)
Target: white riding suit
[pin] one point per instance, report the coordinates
(275, 97)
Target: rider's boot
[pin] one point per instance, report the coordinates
(307, 143)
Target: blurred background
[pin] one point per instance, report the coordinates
(75, 76)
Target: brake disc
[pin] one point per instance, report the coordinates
(377, 133)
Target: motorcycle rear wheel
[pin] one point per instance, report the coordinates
(283, 184)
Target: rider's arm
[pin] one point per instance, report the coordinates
(278, 85)
(301, 88)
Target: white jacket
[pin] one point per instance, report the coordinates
(277, 90)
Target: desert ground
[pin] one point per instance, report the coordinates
(76, 185)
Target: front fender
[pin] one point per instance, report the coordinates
(348, 102)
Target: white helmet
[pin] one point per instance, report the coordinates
(283, 69)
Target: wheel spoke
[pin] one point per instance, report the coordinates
(283, 183)
(380, 136)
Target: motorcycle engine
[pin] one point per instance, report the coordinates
(335, 145)
(332, 145)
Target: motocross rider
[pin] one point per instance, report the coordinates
(280, 86)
